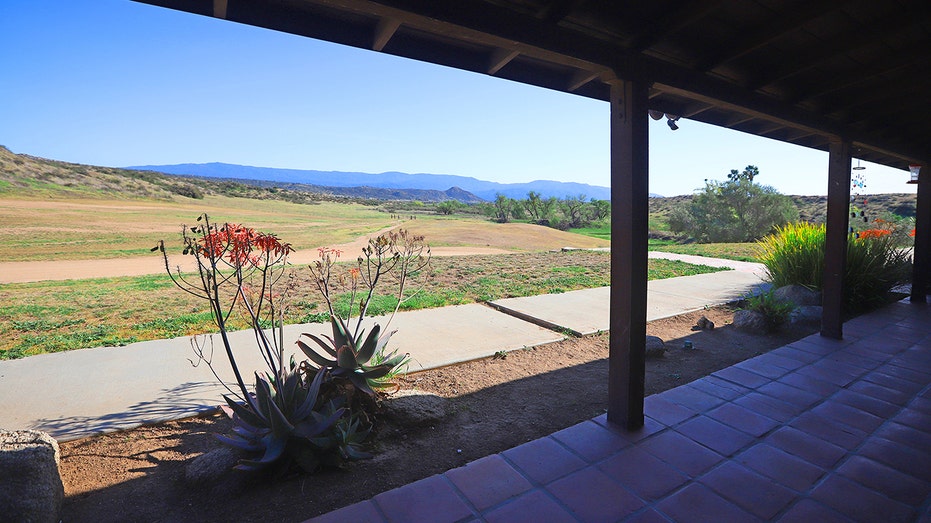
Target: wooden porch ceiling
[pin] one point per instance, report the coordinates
(799, 71)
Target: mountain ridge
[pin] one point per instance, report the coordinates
(386, 180)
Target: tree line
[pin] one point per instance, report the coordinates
(570, 212)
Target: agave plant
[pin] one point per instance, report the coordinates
(347, 356)
(283, 419)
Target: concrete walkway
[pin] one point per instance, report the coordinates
(84, 392)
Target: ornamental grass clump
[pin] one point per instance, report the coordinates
(794, 254)
(303, 414)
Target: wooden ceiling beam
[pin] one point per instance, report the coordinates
(219, 9)
(769, 129)
(384, 31)
(580, 78)
(500, 58)
(696, 109)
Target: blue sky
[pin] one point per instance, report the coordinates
(117, 83)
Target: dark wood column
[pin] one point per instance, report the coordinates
(921, 256)
(629, 230)
(835, 241)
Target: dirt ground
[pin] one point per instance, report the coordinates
(493, 405)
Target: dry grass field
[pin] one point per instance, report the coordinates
(73, 229)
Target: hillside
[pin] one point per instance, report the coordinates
(387, 180)
(24, 175)
(30, 176)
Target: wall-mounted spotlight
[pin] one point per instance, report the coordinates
(914, 169)
(670, 118)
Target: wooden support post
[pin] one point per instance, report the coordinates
(921, 256)
(835, 241)
(629, 231)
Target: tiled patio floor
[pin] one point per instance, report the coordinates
(817, 431)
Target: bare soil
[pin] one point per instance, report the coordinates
(493, 404)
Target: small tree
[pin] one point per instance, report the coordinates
(506, 208)
(574, 207)
(599, 209)
(448, 207)
(737, 210)
(534, 206)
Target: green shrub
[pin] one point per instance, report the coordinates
(774, 312)
(795, 255)
(874, 266)
(734, 211)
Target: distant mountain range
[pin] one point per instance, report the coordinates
(387, 180)
(362, 191)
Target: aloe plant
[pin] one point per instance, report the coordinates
(348, 356)
(349, 353)
(282, 418)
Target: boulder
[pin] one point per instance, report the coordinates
(415, 408)
(656, 348)
(30, 483)
(806, 315)
(211, 466)
(703, 324)
(751, 321)
(798, 295)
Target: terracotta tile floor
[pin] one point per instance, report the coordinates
(817, 431)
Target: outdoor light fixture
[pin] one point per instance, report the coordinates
(670, 118)
(914, 169)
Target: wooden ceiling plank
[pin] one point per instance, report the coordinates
(842, 44)
(555, 11)
(674, 21)
(865, 74)
(769, 32)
